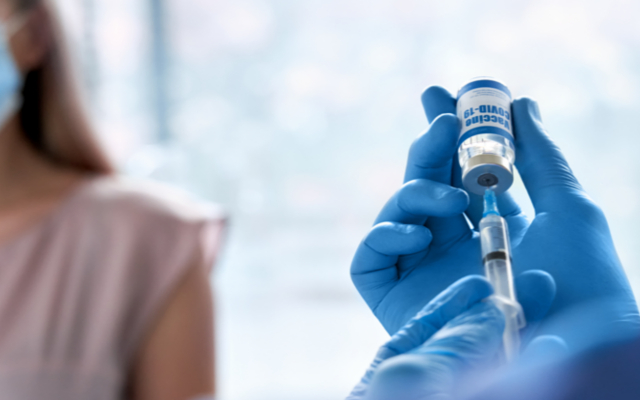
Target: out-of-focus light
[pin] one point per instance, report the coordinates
(244, 23)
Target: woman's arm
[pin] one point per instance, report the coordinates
(176, 360)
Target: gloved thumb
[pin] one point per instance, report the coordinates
(430, 370)
(544, 170)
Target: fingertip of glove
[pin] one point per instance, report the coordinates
(551, 341)
(437, 100)
(536, 291)
(546, 348)
(457, 198)
(423, 196)
(400, 374)
(542, 280)
(438, 144)
(448, 119)
(403, 229)
(409, 229)
(526, 106)
(396, 238)
(435, 93)
(476, 284)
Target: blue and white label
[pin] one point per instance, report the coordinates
(484, 106)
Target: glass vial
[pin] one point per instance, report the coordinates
(486, 148)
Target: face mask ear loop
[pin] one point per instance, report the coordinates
(9, 28)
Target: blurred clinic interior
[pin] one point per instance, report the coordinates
(296, 116)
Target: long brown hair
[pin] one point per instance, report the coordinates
(52, 116)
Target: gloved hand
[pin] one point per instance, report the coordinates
(456, 331)
(421, 241)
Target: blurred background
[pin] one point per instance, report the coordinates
(296, 116)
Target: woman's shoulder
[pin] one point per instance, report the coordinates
(134, 241)
(155, 222)
(135, 199)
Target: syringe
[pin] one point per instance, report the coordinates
(496, 257)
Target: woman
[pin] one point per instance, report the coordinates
(103, 283)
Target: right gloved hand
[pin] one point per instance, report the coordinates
(422, 242)
(456, 332)
(422, 360)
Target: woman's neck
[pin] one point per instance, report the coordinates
(24, 172)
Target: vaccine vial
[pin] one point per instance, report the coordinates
(486, 149)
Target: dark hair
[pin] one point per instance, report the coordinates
(52, 117)
(24, 4)
(31, 111)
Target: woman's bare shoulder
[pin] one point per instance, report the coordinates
(128, 197)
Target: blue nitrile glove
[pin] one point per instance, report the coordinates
(421, 241)
(455, 332)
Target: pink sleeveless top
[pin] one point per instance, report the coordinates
(79, 290)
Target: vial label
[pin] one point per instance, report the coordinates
(484, 106)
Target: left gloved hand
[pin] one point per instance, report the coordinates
(455, 331)
(422, 240)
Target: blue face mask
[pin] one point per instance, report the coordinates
(10, 77)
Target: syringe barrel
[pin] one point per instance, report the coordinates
(494, 236)
(496, 254)
(501, 277)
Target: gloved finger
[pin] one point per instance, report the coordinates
(536, 291)
(545, 348)
(422, 198)
(406, 377)
(455, 300)
(430, 370)
(430, 160)
(394, 239)
(594, 322)
(545, 172)
(431, 154)
(373, 268)
(437, 101)
(471, 337)
(430, 157)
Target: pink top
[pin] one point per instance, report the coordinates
(78, 291)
